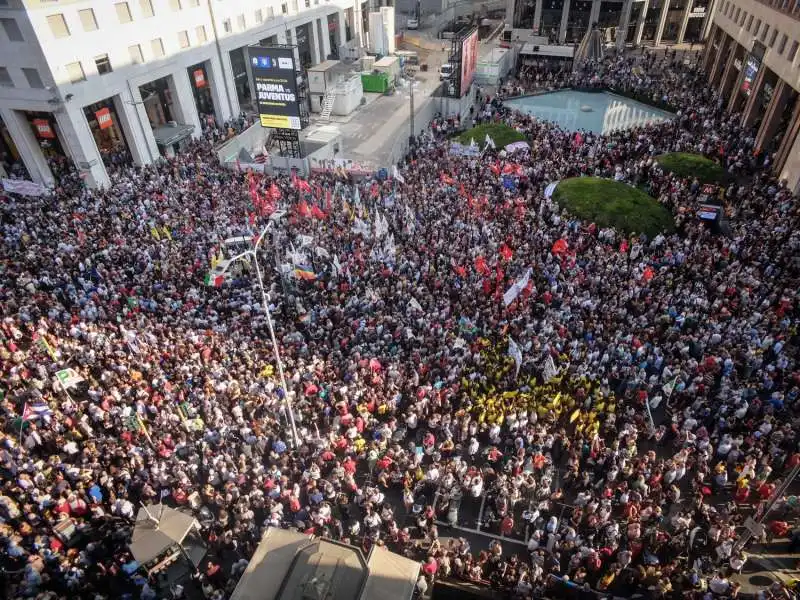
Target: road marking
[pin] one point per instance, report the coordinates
(483, 533)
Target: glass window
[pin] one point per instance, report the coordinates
(183, 39)
(157, 47)
(226, 25)
(773, 36)
(758, 26)
(200, 32)
(241, 23)
(58, 26)
(270, 12)
(123, 12)
(782, 45)
(87, 19)
(284, 8)
(259, 16)
(744, 16)
(5, 78)
(792, 51)
(749, 22)
(764, 32)
(147, 7)
(32, 75)
(103, 64)
(12, 30)
(175, 4)
(136, 54)
(75, 72)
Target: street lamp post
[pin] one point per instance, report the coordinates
(253, 253)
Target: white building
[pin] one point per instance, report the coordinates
(81, 77)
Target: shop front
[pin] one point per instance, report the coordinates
(201, 90)
(44, 129)
(107, 132)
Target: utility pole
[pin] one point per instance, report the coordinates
(411, 106)
(769, 505)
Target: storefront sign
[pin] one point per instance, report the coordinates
(751, 67)
(200, 78)
(275, 82)
(103, 117)
(43, 129)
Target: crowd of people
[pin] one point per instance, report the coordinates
(417, 383)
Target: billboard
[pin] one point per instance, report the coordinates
(469, 60)
(275, 84)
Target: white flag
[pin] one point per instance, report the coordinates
(515, 289)
(321, 252)
(356, 196)
(304, 240)
(490, 142)
(396, 174)
(411, 220)
(389, 249)
(68, 378)
(362, 228)
(337, 267)
(515, 353)
(550, 370)
(472, 143)
(413, 303)
(381, 226)
(298, 257)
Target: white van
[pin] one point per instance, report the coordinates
(445, 71)
(412, 23)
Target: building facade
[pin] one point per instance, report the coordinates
(626, 21)
(752, 58)
(83, 79)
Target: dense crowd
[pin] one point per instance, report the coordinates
(415, 386)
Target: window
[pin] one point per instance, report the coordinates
(270, 12)
(749, 22)
(773, 36)
(240, 22)
(284, 9)
(744, 16)
(758, 26)
(75, 72)
(259, 16)
(226, 25)
(147, 8)
(5, 78)
(58, 26)
(123, 12)
(738, 12)
(764, 32)
(12, 30)
(87, 19)
(135, 52)
(308, 3)
(32, 75)
(183, 39)
(103, 64)
(782, 45)
(294, 7)
(792, 51)
(200, 32)
(175, 4)
(194, 2)
(157, 47)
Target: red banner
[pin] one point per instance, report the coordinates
(199, 78)
(103, 117)
(43, 129)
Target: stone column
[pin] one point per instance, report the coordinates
(133, 120)
(322, 26)
(788, 155)
(708, 50)
(28, 147)
(684, 21)
(772, 116)
(749, 113)
(624, 21)
(716, 66)
(511, 6)
(662, 21)
(637, 38)
(183, 101)
(76, 138)
(594, 14)
(562, 30)
(223, 89)
(708, 20)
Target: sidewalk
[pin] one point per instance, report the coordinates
(767, 563)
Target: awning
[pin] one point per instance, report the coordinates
(158, 528)
(166, 135)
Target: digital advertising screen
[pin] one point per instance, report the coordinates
(751, 66)
(469, 60)
(275, 84)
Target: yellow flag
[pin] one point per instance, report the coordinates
(166, 233)
(574, 415)
(154, 233)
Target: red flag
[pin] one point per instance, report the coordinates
(303, 186)
(495, 168)
(374, 191)
(447, 179)
(317, 213)
(462, 191)
(274, 192)
(328, 201)
(559, 247)
(623, 247)
(481, 266)
(506, 252)
(252, 219)
(578, 141)
(648, 274)
(267, 206)
(460, 271)
(303, 210)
